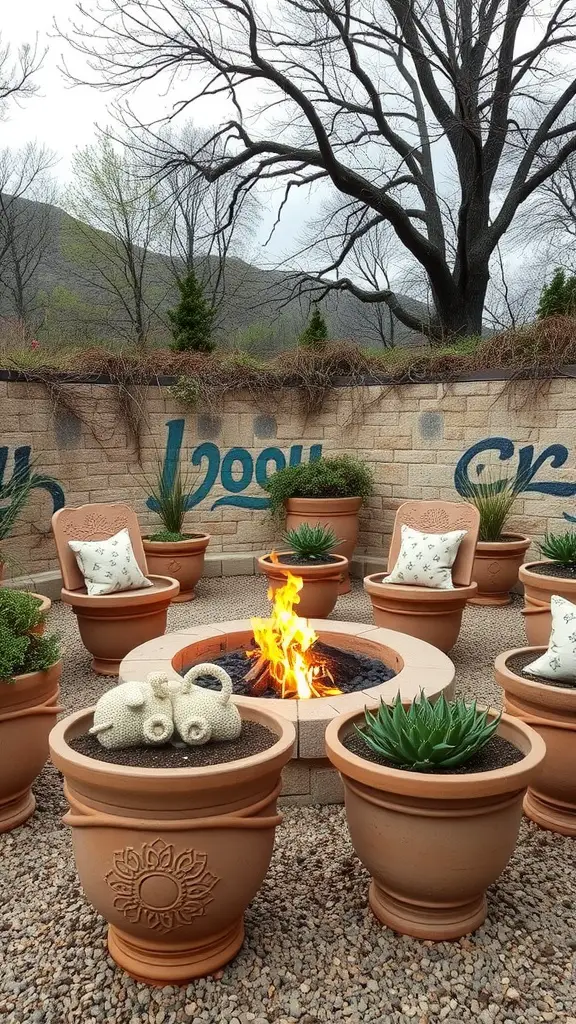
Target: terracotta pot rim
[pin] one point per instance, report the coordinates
(65, 757)
(374, 584)
(30, 677)
(508, 542)
(541, 580)
(166, 547)
(505, 674)
(323, 568)
(163, 590)
(30, 688)
(430, 786)
(335, 504)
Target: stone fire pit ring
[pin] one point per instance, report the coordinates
(309, 778)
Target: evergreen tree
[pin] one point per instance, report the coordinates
(192, 319)
(559, 297)
(315, 334)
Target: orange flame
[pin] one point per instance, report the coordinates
(285, 640)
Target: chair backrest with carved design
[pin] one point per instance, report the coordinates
(440, 517)
(93, 522)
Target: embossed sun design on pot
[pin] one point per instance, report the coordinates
(159, 888)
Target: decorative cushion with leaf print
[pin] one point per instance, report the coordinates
(559, 661)
(426, 559)
(109, 565)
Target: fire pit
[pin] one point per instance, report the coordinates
(308, 670)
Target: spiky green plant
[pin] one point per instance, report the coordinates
(494, 498)
(428, 736)
(311, 542)
(170, 489)
(559, 547)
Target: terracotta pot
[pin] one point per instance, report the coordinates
(321, 583)
(172, 857)
(433, 843)
(538, 590)
(28, 710)
(45, 606)
(431, 615)
(496, 565)
(341, 514)
(551, 711)
(183, 560)
(112, 625)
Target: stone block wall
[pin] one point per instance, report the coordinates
(414, 437)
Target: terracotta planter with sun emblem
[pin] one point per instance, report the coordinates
(171, 857)
(183, 560)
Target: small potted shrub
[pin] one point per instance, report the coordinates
(30, 671)
(555, 575)
(539, 684)
(499, 554)
(172, 551)
(328, 491)
(172, 794)
(312, 560)
(433, 803)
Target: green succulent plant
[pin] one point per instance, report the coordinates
(311, 542)
(427, 736)
(560, 547)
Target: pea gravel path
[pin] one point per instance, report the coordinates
(313, 950)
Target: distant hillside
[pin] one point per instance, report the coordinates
(256, 310)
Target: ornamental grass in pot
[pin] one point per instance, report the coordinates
(328, 491)
(172, 551)
(172, 791)
(310, 558)
(30, 671)
(556, 574)
(499, 553)
(539, 685)
(433, 803)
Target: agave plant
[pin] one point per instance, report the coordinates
(560, 547)
(312, 543)
(427, 736)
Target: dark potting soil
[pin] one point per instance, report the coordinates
(498, 753)
(517, 663)
(350, 671)
(253, 739)
(299, 560)
(160, 537)
(555, 569)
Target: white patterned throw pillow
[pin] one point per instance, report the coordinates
(426, 559)
(559, 661)
(109, 565)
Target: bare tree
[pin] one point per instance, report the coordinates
(17, 73)
(119, 222)
(553, 216)
(204, 230)
(27, 226)
(408, 109)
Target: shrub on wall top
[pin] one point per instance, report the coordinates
(339, 476)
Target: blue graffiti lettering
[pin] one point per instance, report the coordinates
(236, 469)
(22, 474)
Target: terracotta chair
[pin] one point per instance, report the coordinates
(110, 625)
(431, 615)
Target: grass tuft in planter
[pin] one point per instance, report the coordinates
(428, 736)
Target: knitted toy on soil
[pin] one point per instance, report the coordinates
(144, 714)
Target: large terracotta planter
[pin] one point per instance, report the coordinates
(112, 625)
(183, 560)
(431, 615)
(321, 583)
(340, 514)
(551, 711)
(538, 590)
(433, 843)
(172, 857)
(495, 569)
(28, 710)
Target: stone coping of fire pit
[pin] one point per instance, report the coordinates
(418, 665)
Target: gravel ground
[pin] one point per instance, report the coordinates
(313, 950)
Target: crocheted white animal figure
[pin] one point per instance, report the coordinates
(201, 715)
(135, 714)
